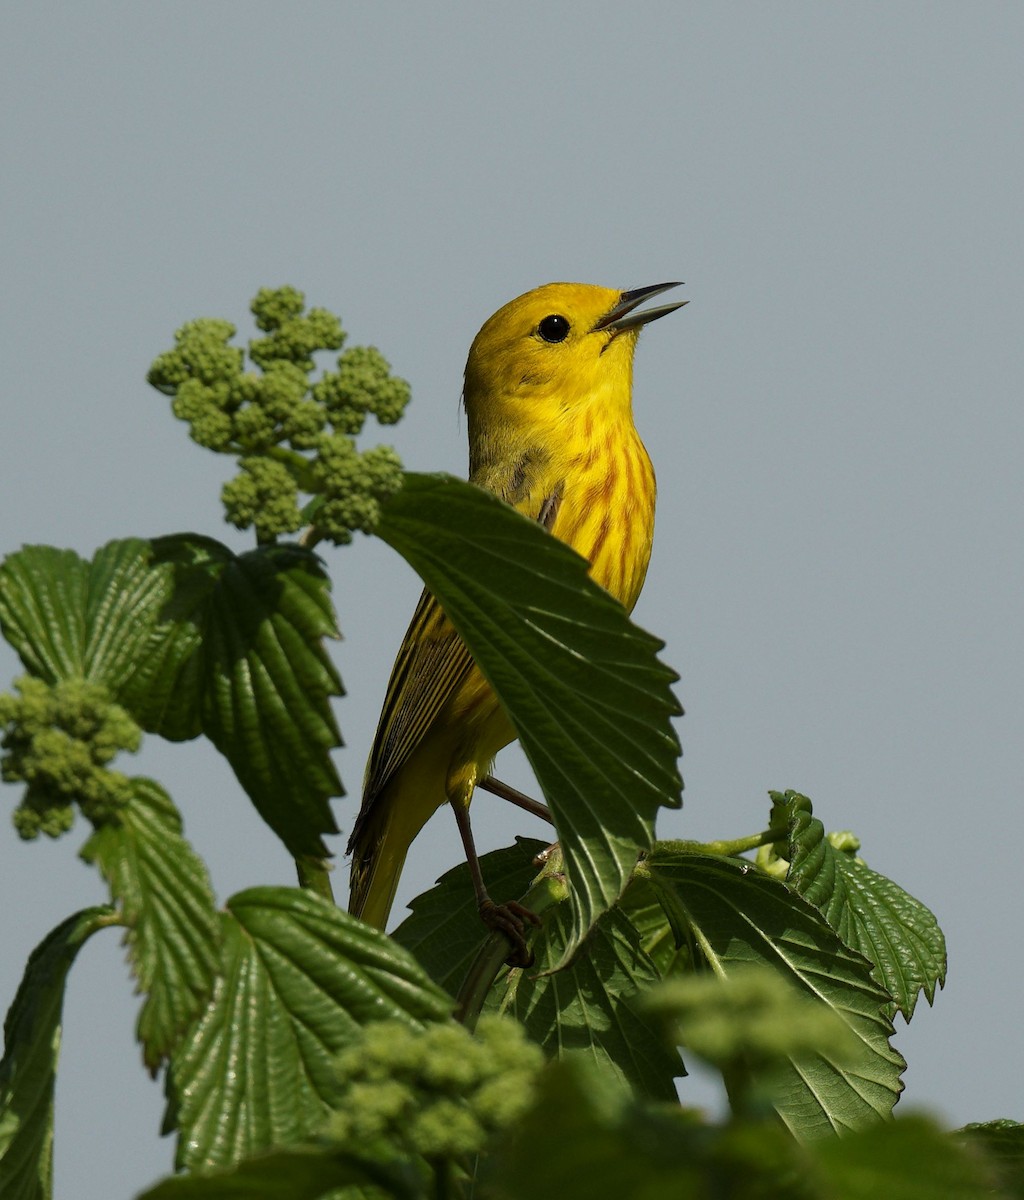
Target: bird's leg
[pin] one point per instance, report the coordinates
(497, 788)
(508, 919)
(513, 796)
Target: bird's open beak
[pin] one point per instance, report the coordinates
(622, 315)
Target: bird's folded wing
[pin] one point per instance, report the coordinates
(431, 664)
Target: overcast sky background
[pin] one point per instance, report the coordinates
(836, 419)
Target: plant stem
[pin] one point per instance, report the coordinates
(315, 875)
(725, 849)
(477, 983)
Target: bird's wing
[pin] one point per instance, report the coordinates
(431, 664)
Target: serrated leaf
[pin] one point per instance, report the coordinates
(239, 656)
(298, 980)
(589, 698)
(28, 1069)
(641, 904)
(586, 1008)
(192, 639)
(444, 931)
(589, 1008)
(871, 913)
(68, 618)
(299, 1173)
(1001, 1143)
(735, 914)
(163, 891)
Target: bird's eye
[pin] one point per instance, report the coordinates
(554, 328)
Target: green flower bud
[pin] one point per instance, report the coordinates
(445, 1129)
(58, 741)
(263, 495)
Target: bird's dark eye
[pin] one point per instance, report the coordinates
(554, 328)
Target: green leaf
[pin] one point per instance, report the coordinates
(28, 1069)
(1002, 1145)
(298, 980)
(908, 1159)
(642, 905)
(444, 931)
(163, 891)
(583, 686)
(192, 639)
(586, 1008)
(585, 1137)
(68, 618)
(239, 656)
(299, 1173)
(868, 911)
(735, 914)
(589, 1008)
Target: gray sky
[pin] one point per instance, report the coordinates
(836, 418)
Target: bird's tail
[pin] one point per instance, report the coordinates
(382, 836)
(378, 857)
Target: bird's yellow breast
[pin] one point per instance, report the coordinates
(606, 510)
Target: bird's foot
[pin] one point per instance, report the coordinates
(511, 920)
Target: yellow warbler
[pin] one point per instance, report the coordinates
(548, 395)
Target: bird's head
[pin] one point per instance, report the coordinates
(563, 345)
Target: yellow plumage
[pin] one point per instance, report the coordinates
(548, 395)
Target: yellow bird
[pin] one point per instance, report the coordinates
(548, 396)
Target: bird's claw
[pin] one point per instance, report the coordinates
(511, 919)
